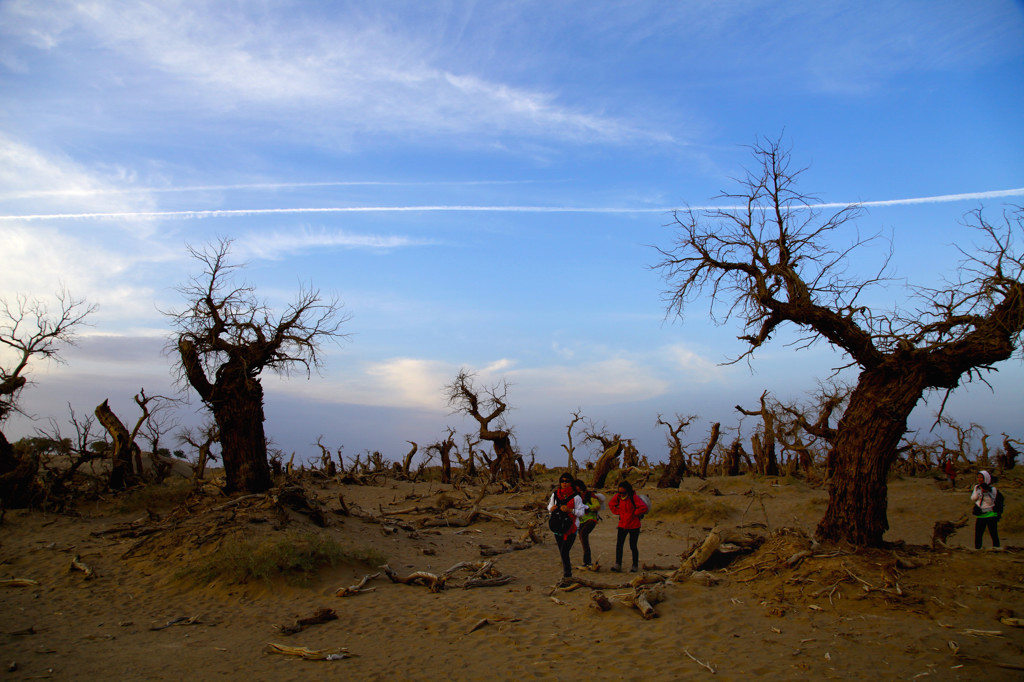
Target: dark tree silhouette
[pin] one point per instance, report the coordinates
(775, 261)
(677, 466)
(224, 340)
(29, 331)
(488, 406)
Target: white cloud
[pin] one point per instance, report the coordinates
(360, 73)
(694, 366)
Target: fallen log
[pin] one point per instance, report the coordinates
(698, 557)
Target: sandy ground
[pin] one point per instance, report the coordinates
(146, 612)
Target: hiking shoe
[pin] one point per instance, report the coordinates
(634, 568)
(616, 569)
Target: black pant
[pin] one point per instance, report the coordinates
(980, 524)
(634, 535)
(585, 530)
(564, 545)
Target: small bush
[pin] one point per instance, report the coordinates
(694, 509)
(157, 496)
(294, 557)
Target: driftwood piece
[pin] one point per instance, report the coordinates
(643, 600)
(358, 587)
(18, 582)
(599, 601)
(483, 575)
(77, 565)
(698, 557)
(322, 615)
(434, 582)
(335, 654)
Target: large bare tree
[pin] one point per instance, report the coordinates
(29, 331)
(489, 406)
(777, 260)
(226, 337)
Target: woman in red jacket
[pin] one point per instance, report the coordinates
(630, 508)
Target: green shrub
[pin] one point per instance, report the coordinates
(294, 557)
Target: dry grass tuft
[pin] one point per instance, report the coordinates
(294, 557)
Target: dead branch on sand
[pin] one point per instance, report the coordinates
(335, 654)
(358, 587)
(483, 575)
(943, 529)
(322, 615)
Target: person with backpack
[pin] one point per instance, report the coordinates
(589, 520)
(630, 508)
(566, 508)
(988, 506)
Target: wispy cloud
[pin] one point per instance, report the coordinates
(284, 243)
(457, 208)
(370, 74)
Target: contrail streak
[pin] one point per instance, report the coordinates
(229, 213)
(89, 192)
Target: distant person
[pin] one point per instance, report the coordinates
(987, 508)
(589, 520)
(950, 470)
(566, 508)
(630, 508)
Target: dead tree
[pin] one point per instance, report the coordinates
(327, 465)
(202, 439)
(630, 455)
(677, 466)
(407, 460)
(467, 462)
(570, 449)
(731, 461)
(611, 448)
(776, 261)
(488, 407)
(795, 424)
(709, 447)
(763, 440)
(1007, 459)
(226, 337)
(123, 448)
(60, 479)
(444, 448)
(29, 331)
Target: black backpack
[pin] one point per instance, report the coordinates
(560, 521)
(1000, 502)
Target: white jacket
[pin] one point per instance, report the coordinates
(986, 499)
(578, 509)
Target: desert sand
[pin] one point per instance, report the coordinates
(116, 591)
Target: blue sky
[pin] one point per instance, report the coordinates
(481, 183)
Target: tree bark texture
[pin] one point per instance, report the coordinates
(865, 449)
(236, 400)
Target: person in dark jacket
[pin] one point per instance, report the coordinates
(566, 500)
(630, 508)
